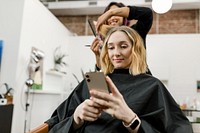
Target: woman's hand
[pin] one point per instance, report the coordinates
(113, 103)
(86, 111)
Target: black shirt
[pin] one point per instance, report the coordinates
(144, 17)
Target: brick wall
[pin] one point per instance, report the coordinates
(174, 21)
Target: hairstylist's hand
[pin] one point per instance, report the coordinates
(113, 103)
(86, 111)
(95, 47)
(101, 20)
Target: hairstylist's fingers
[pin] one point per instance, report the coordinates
(98, 25)
(94, 43)
(102, 19)
(95, 46)
(97, 28)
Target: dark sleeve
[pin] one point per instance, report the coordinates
(164, 114)
(144, 17)
(62, 118)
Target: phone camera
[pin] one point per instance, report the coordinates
(88, 80)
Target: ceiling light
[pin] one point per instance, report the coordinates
(161, 6)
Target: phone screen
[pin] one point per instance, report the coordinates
(97, 81)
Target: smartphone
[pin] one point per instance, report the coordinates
(92, 26)
(97, 81)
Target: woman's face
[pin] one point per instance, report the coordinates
(115, 20)
(119, 50)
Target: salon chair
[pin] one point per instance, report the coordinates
(40, 129)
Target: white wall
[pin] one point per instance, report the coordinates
(81, 57)
(10, 24)
(11, 13)
(23, 24)
(176, 58)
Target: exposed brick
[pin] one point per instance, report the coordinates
(172, 22)
(74, 24)
(153, 28)
(178, 21)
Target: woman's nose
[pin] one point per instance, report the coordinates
(111, 18)
(116, 52)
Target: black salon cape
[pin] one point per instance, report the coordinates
(144, 94)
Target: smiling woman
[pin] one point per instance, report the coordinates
(119, 51)
(124, 48)
(137, 102)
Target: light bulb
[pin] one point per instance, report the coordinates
(161, 6)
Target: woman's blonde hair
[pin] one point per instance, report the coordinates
(138, 64)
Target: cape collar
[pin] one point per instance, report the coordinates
(121, 71)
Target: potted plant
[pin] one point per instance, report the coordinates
(59, 62)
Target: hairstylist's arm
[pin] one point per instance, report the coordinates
(123, 12)
(114, 104)
(95, 47)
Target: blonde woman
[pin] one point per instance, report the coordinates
(137, 102)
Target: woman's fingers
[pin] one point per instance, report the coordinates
(100, 95)
(87, 111)
(89, 115)
(112, 87)
(102, 103)
(91, 106)
(110, 103)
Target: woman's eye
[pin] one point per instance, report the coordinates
(110, 47)
(124, 46)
